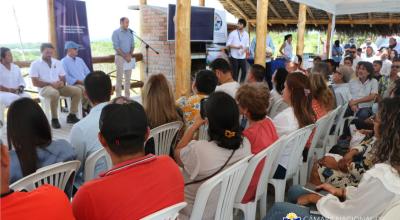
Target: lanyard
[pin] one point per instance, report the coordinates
(240, 37)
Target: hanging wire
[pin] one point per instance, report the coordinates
(19, 33)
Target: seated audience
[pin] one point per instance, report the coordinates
(297, 94)
(317, 59)
(75, 69)
(380, 185)
(29, 135)
(386, 83)
(386, 62)
(322, 68)
(46, 202)
(369, 55)
(341, 78)
(354, 55)
(11, 82)
(348, 61)
(323, 98)
(223, 71)
(83, 136)
(377, 69)
(276, 103)
(137, 185)
(203, 159)
(203, 85)
(48, 75)
(253, 101)
(364, 90)
(256, 73)
(331, 66)
(393, 54)
(396, 90)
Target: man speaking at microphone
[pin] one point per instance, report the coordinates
(123, 43)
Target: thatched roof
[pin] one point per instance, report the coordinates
(282, 16)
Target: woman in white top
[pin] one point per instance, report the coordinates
(298, 115)
(11, 82)
(277, 105)
(203, 159)
(286, 49)
(379, 189)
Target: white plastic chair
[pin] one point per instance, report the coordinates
(270, 154)
(392, 213)
(91, 161)
(229, 180)
(169, 213)
(47, 107)
(339, 122)
(58, 174)
(203, 133)
(298, 140)
(163, 137)
(2, 110)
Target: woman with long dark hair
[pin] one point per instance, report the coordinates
(203, 159)
(29, 134)
(276, 103)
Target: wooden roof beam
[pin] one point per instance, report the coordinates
(390, 17)
(289, 7)
(325, 22)
(238, 9)
(252, 5)
(369, 19)
(276, 13)
(311, 15)
(351, 18)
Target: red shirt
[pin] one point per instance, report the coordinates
(319, 113)
(261, 135)
(131, 190)
(45, 203)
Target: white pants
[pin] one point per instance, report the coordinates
(6, 98)
(119, 62)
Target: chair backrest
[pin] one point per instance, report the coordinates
(58, 174)
(169, 213)
(229, 180)
(298, 139)
(320, 130)
(340, 119)
(203, 132)
(270, 154)
(93, 161)
(163, 137)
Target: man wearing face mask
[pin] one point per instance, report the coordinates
(239, 43)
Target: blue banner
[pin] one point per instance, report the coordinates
(71, 25)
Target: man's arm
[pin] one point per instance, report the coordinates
(39, 83)
(70, 78)
(5, 89)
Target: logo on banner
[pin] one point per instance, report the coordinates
(217, 22)
(291, 216)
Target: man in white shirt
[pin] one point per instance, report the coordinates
(369, 55)
(353, 54)
(48, 75)
(238, 43)
(84, 134)
(394, 45)
(386, 63)
(223, 71)
(11, 82)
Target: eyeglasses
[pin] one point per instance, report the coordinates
(396, 66)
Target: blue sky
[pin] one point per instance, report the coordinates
(103, 18)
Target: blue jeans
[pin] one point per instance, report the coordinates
(281, 209)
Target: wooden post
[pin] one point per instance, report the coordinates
(144, 62)
(52, 26)
(202, 3)
(301, 27)
(328, 38)
(261, 32)
(182, 48)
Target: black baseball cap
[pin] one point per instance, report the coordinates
(123, 121)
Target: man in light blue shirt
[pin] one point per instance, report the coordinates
(75, 69)
(123, 43)
(83, 136)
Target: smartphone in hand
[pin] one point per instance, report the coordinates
(313, 189)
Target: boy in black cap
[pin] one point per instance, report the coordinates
(138, 184)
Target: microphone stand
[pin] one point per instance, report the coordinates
(147, 51)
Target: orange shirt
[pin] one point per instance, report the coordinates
(131, 190)
(261, 135)
(319, 113)
(44, 203)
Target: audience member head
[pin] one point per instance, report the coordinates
(241, 24)
(47, 50)
(369, 51)
(384, 54)
(396, 89)
(124, 22)
(297, 93)
(123, 129)
(253, 100)
(321, 92)
(95, 80)
(395, 68)
(343, 74)
(222, 69)
(317, 59)
(205, 82)
(392, 42)
(377, 64)
(353, 51)
(27, 130)
(387, 131)
(5, 55)
(359, 52)
(321, 68)
(279, 79)
(158, 101)
(365, 71)
(348, 61)
(288, 38)
(331, 65)
(337, 43)
(256, 73)
(72, 48)
(223, 121)
(393, 54)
